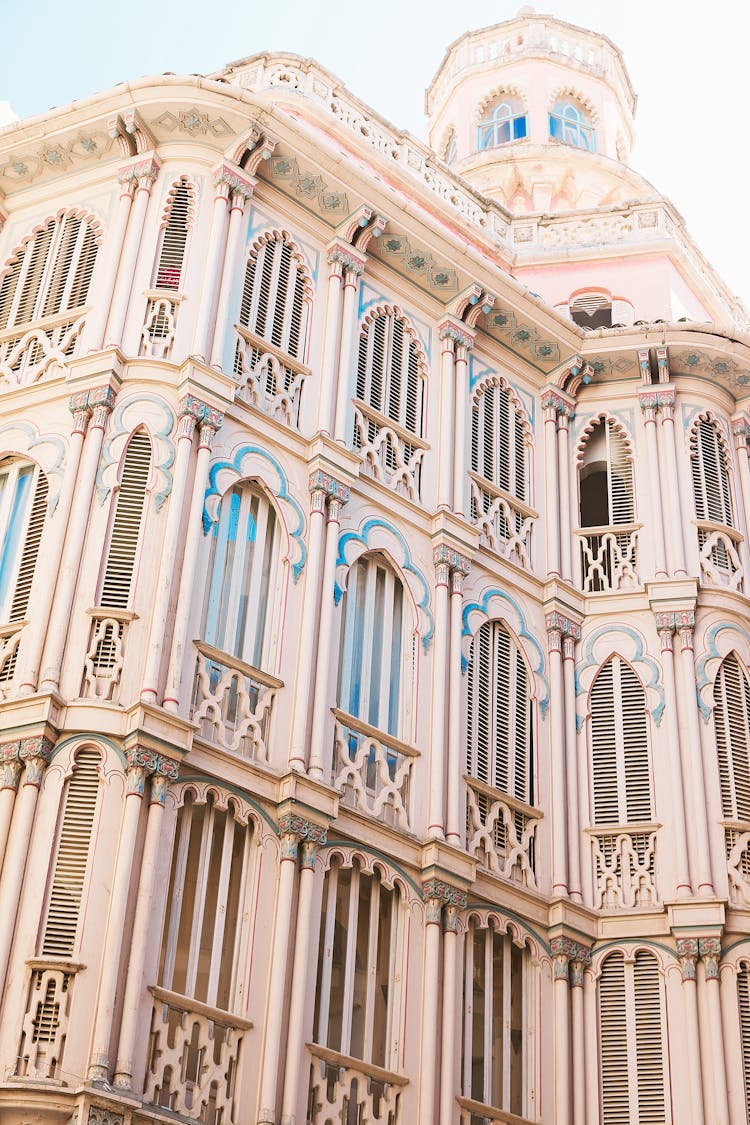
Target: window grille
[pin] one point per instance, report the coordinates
(498, 441)
(388, 372)
(125, 533)
(274, 297)
(633, 1060)
(168, 273)
(72, 856)
(572, 125)
(619, 747)
(732, 720)
(23, 509)
(49, 274)
(711, 488)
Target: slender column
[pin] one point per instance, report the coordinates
(447, 410)
(666, 624)
(32, 640)
(451, 1010)
(186, 596)
(292, 829)
(97, 319)
(436, 816)
(687, 952)
(560, 948)
(339, 259)
(217, 242)
(550, 401)
(692, 763)
(144, 174)
(165, 770)
(591, 1048)
(305, 950)
(741, 433)
(240, 189)
(730, 1018)
(675, 544)
(459, 440)
(434, 893)
(557, 756)
(580, 960)
(571, 634)
(563, 476)
(322, 486)
(99, 403)
(322, 702)
(34, 755)
(190, 411)
(649, 401)
(10, 775)
(709, 1002)
(459, 571)
(344, 388)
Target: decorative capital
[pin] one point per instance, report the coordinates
(741, 430)
(236, 182)
(710, 953)
(558, 623)
(565, 949)
(451, 919)
(333, 489)
(192, 411)
(344, 259)
(437, 890)
(10, 766)
(444, 555)
(687, 953)
(35, 754)
(675, 622)
(557, 404)
(656, 398)
(458, 334)
(97, 402)
(291, 824)
(143, 173)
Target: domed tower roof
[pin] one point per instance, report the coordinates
(538, 114)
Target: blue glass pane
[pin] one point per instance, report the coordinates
(519, 127)
(14, 534)
(555, 127)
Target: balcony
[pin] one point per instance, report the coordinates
(501, 832)
(372, 770)
(193, 1057)
(737, 845)
(231, 702)
(390, 453)
(609, 558)
(624, 866)
(10, 639)
(720, 562)
(504, 523)
(28, 355)
(160, 325)
(269, 379)
(347, 1090)
(45, 1025)
(477, 1113)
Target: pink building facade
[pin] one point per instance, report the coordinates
(374, 633)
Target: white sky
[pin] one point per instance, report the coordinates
(689, 62)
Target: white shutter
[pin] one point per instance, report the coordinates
(30, 551)
(613, 1043)
(649, 1049)
(51, 274)
(126, 525)
(274, 304)
(388, 372)
(732, 721)
(619, 747)
(498, 441)
(174, 240)
(620, 478)
(71, 860)
(34, 263)
(710, 475)
(743, 993)
(8, 287)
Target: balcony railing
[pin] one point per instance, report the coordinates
(160, 325)
(505, 523)
(719, 555)
(45, 1025)
(501, 832)
(269, 379)
(193, 1056)
(347, 1090)
(28, 355)
(10, 639)
(102, 670)
(737, 844)
(373, 770)
(609, 558)
(232, 702)
(477, 1113)
(390, 453)
(624, 861)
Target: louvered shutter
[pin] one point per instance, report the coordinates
(649, 1049)
(126, 525)
(612, 1031)
(388, 374)
(620, 478)
(71, 860)
(174, 240)
(498, 443)
(743, 995)
(273, 304)
(51, 274)
(711, 476)
(8, 287)
(619, 747)
(732, 721)
(34, 262)
(30, 551)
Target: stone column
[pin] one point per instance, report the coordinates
(563, 476)
(143, 174)
(303, 976)
(580, 959)
(98, 403)
(33, 756)
(709, 1007)
(559, 796)
(451, 1022)
(741, 433)
(353, 270)
(649, 401)
(210, 423)
(447, 332)
(675, 543)
(550, 404)
(163, 772)
(464, 342)
(10, 775)
(33, 637)
(340, 258)
(591, 1048)
(561, 949)
(322, 700)
(667, 624)
(240, 188)
(217, 244)
(687, 952)
(571, 634)
(97, 318)
(692, 762)
(438, 741)
(460, 565)
(292, 830)
(436, 893)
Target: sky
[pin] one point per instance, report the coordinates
(689, 62)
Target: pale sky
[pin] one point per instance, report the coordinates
(689, 62)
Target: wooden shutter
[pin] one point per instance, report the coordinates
(51, 274)
(174, 240)
(649, 1049)
(388, 371)
(30, 551)
(711, 489)
(8, 287)
(732, 721)
(498, 441)
(499, 718)
(274, 302)
(620, 477)
(34, 262)
(619, 746)
(614, 1052)
(71, 860)
(743, 995)
(126, 526)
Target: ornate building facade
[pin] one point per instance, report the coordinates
(374, 634)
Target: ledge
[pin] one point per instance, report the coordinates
(198, 1008)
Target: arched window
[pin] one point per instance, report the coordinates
(243, 573)
(503, 120)
(388, 371)
(712, 491)
(50, 274)
(732, 720)
(125, 530)
(499, 464)
(634, 1068)
(592, 310)
(450, 149)
(497, 1007)
(570, 123)
(174, 236)
(274, 306)
(609, 553)
(23, 509)
(619, 746)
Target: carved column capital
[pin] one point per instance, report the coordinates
(437, 893)
(455, 335)
(652, 399)
(741, 431)
(670, 622)
(295, 830)
(569, 960)
(192, 411)
(710, 954)
(35, 753)
(10, 765)
(451, 567)
(330, 487)
(562, 631)
(142, 763)
(687, 954)
(345, 261)
(237, 184)
(556, 405)
(92, 406)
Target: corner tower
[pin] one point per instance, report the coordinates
(537, 114)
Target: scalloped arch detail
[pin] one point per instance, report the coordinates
(376, 311)
(372, 861)
(277, 234)
(92, 221)
(192, 210)
(568, 91)
(496, 379)
(630, 646)
(504, 90)
(493, 606)
(720, 639)
(591, 424)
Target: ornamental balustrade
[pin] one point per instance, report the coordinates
(390, 453)
(737, 846)
(26, 357)
(160, 324)
(348, 1090)
(269, 379)
(720, 562)
(504, 523)
(105, 656)
(624, 866)
(372, 770)
(477, 1113)
(45, 1024)
(231, 702)
(609, 558)
(501, 832)
(193, 1057)
(10, 639)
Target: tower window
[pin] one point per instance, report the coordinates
(571, 124)
(592, 310)
(502, 122)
